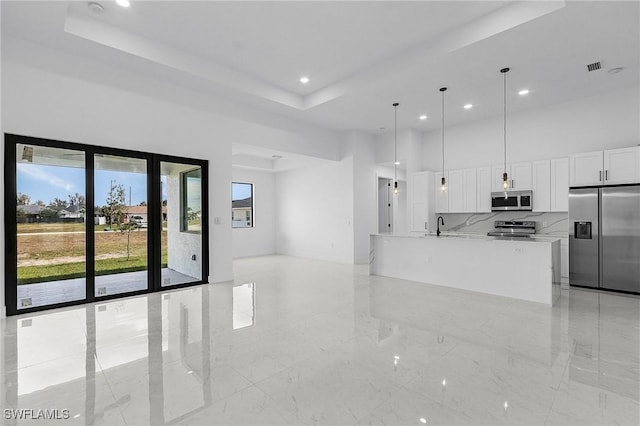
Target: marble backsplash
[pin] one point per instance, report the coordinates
(556, 224)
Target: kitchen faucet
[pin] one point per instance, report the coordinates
(440, 218)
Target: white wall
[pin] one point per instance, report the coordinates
(608, 120)
(261, 239)
(361, 147)
(36, 102)
(315, 212)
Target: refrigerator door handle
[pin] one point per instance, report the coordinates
(606, 175)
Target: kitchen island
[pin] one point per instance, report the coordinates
(521, 268)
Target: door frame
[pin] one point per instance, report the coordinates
(154, 229)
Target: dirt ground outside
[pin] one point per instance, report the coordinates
(49, 252)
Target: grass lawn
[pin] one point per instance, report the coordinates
(57, 256)
(32, 228)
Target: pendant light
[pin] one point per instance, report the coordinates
(443, 181)
(395, 147)
(505, 176)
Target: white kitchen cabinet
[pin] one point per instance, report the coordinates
(622, 166)
(483, 189)
(456, 191)
(496, 177)
(518, 174)
(470, 194)
(441, 198)
(421, 201)
(559, 195)
(586, 169)
(611, 167)
(521, 175)
(541, 186)
(462, 191)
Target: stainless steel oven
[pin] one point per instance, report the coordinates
(511, 200)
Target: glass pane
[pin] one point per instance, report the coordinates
(181, 239)
(241, 205)
(120, 194)
(50, 216)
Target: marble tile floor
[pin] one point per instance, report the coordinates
(296, 341)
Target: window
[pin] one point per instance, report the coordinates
(85, 222)
(191, 208)
(241, 205)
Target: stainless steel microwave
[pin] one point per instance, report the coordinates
(511, 200)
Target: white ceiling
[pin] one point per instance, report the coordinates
(361, 56)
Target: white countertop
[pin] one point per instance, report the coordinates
(479, 237)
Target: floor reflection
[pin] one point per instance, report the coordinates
(146, 359)
(302, 342)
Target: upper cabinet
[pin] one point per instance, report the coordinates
(622, 165)
(496, 177)
(541, 186)
(441, 198)
(559, 185)
(462, 191)
(519, 177)
(456, 191)
(470, 190)
(483, 189)
(611, 167)
(421, 201)
(586, 169)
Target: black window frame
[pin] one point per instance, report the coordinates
(184, 195)
(154, 276)
(253, 202)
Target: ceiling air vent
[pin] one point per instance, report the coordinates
(594, 66)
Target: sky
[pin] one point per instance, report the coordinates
(240, 191)
(43, 182)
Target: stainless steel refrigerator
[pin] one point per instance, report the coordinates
(604, 237)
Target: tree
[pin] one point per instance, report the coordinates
(58, 204)
(116, 210)
(23, 199)
(40, 203)
(115, 204)
(142, 203)
(77, 200)
(128, 227)
(49, 212)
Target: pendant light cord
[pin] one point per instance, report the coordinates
(442, 131)
(504, 91)
(395, 142)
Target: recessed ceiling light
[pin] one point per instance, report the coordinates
(423, 117)
(304, 80)
(423, 420)
(123, 3)
(523, 92)
(468, 106)
(397, 163)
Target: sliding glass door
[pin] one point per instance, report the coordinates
(121, 212)
(181, 188)
(50, 229)
(86, 223)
